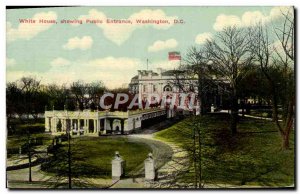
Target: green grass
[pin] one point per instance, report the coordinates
(264, 113)
(92, 156)
(15, 141)
(252, 157)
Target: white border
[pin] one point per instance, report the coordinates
(4, 3)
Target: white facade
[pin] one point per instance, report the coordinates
(149, 84)
(98, 122)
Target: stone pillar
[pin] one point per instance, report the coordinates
(95, 126)
(117, 167)
(149, 168)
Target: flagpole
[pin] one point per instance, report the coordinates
(147, 64)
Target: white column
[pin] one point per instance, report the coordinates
(64, 125)
(46, 123)
(95, 126)
(104, 131)
(88, 125)
(54, 124)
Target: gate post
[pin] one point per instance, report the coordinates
(149, 168)
(117, 168)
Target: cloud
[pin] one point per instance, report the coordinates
(277, 12)
(60, 62)
(10, 62)
(83, 43)
(114, 64)
(203, 37)
(163, 45)
(114, 72)
(249, 18)
(27, 31)
(119, 33)
(223, 21)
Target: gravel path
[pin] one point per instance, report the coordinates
(170, 160)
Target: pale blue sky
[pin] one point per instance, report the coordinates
(40, 52)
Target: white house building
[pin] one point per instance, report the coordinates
(146, 83)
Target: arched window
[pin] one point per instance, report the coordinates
(167, 88)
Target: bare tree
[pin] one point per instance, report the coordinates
(277, 63)
(58, 96)
(230, 54)
(30, 88)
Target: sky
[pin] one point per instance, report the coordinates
(64, 53)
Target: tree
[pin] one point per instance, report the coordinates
(230, 56)
(13, 101)
(194, 75)
(30, 88)
(58, 96)
(79, 91)
(95, 90)
(276, 61)
(25, 97)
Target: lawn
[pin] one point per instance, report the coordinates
(14, 142)
(92, 156)
(252, 157)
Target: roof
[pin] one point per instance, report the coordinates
(169, 73)
(135, 77)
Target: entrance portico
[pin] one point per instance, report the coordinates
(97, 122)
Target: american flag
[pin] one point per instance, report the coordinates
(174, 56)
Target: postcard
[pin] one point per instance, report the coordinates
(132, 97)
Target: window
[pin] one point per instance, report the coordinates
(154, 88)
(167, 88)
(145, 88)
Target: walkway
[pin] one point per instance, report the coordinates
(178, 162)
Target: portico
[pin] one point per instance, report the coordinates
(97, 122)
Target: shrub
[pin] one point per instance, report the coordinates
(31, 128)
